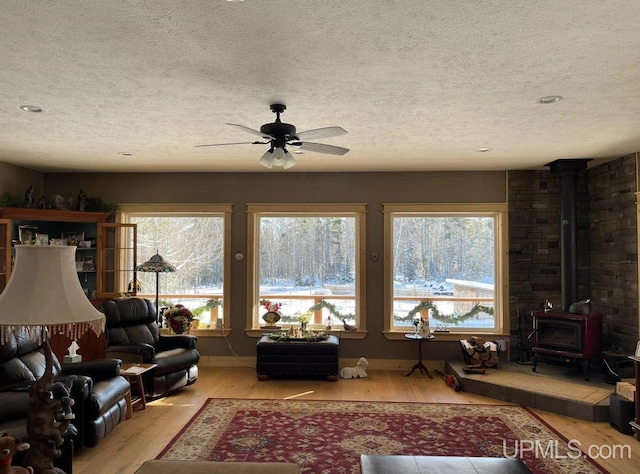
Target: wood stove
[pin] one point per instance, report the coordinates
(566, 338)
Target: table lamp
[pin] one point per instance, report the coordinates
(44, 297)
(156, 264)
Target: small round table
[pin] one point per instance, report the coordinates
(420, 365)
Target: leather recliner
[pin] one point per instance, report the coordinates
(99, 392)
(133, 335)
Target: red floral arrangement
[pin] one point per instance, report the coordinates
(269, 306)
(178, 318)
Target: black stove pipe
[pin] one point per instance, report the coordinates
(567, 170)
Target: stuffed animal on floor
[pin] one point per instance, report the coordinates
(357, 372)
(62, 391)
(8, 447)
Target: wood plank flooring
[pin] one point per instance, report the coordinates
(150, 430)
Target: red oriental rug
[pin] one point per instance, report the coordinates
(328, 437)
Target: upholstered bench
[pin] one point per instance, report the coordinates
(297, 358)
(378, 464)
(211, 467)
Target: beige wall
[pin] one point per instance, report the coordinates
(277, 186)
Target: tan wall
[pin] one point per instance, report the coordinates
(277, 186)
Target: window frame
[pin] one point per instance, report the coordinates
(224, 210)
(255, 211)
(500, 212)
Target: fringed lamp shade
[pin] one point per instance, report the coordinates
(44, 292)
(44, 297)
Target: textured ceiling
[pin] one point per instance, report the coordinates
(418, 84)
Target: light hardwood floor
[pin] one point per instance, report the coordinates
(150, 430)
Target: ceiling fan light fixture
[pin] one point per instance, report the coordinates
(267, 159)
(278, 156)
(289, 160)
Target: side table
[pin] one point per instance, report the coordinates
(419, 364)
(133, 373)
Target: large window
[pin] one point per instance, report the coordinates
(307, 261)
(195, 240)
(445, 263)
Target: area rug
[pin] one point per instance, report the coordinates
(328, 437)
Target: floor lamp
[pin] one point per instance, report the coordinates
(43, 297)
(157, 265)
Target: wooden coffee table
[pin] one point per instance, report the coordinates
(133, 373)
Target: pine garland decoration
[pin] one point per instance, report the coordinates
(447, 318)
(332, 309)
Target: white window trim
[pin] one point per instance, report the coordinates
(320, 209)
(498, 210)
(182, 210)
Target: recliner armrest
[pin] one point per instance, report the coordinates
(100, 369)
(183, 341)
(128, 353)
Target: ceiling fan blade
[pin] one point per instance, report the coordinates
(321, 148)
(325, 132)
(251, 131)
(235, 143)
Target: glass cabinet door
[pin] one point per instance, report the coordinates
(117, 260)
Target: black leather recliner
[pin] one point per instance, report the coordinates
(99, 392)
(133, 335)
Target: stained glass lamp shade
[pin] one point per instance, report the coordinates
(156, 264)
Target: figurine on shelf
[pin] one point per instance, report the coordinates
(424, 329)
(28, 197)
(416, 323)
(82, 200)
(43, 203)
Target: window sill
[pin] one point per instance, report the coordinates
(211, 332)
(445, 336)
(338, 334)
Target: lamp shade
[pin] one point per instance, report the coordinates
(44, 291)
(156, 264)
(266, 159)
(289, 160)
(278, 156)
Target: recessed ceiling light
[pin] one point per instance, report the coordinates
(549, 99)
(125, 153)
(31, 108)
(484, 149)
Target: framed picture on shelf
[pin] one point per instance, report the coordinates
(88, 263)
(27, 234)
(73, 238)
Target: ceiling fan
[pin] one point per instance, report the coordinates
(279, 135)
